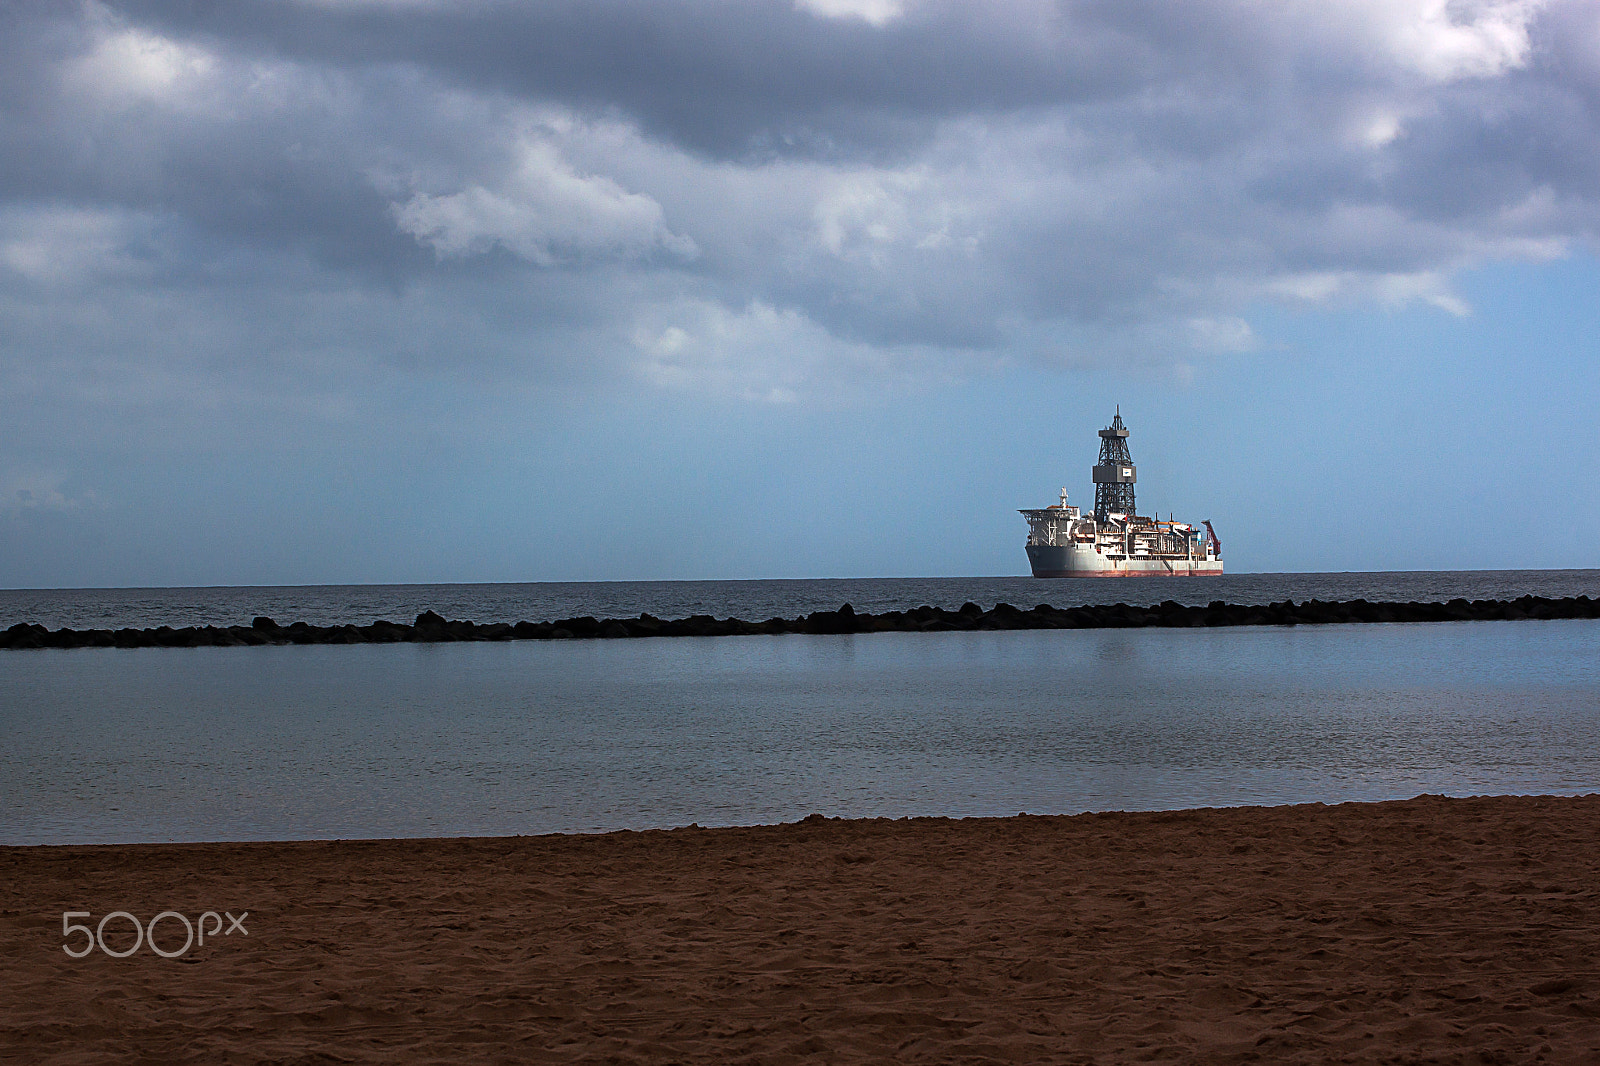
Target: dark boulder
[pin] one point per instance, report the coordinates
(843, 620)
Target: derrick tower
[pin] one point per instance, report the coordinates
(1115, 473)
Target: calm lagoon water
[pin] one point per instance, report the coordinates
(423, 740)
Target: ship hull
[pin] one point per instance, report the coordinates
(1081, 560)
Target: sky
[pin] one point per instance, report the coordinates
(337, 291)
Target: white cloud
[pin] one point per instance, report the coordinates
(127, 66)
(1393, 290)
(750, 354)
(873, 12)
(767, 354)
(1379, 129)
(1226, 334)
(1449, 39)
(56, 245)
(1427, 286)
(545, 213)
(858, 214)
(1440, 40)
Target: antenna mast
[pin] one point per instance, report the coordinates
(1115, 473)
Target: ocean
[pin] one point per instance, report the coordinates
(109, 745)
(750, 600)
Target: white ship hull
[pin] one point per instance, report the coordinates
(1081, 560)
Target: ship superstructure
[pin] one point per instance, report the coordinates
(1116, 541)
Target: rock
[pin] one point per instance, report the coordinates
(825, 622)
(586, 626)
(432, 627)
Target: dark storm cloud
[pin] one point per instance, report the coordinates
(721, 76)
(699, 185)
(247, 177)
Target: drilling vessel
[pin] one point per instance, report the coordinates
(1116, 541)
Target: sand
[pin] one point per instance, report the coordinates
(1429, 930)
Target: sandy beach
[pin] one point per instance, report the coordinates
(1429, 930)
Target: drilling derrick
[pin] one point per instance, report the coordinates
(1115, 473)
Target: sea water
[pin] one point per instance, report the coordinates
(750, 600)
(106, 745)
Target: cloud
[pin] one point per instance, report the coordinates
(762, 198)
(547, 214)
(770, 355)
(35, 491)
(1449, 39)
(1223, 334)
(126, 67)
(873, 12)
(1389, 290)
(59, 245)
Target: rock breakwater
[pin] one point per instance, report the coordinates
(432, 628)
